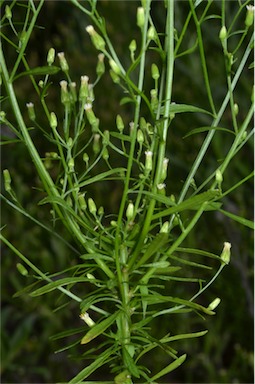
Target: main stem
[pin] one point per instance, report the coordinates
(169, 48)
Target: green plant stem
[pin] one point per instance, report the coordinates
(215, 123)
(26, 39)
(169, 48)
(202, 55)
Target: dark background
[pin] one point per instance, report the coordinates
(225, 354)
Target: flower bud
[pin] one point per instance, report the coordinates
(71, 165)
(236, 109)
(154, 72)
(51, 56)
(148, 161)
(22, 270)
(73, 93)
(152, 34)
(31, 111)
(101, 211)
(63, 63)
(8, 12)
(85, 317)
(84, 89)
(161, 188)
(65, 99)
(96, 39)
(70, 142)
(53, 120)
(163, 175)
(96, 145)
(140, 136)
(223, 33)
(90, 114)
(165, 227)
(154, 99)
(119, 123)
(105, 154)
(114, 76)
(130, 211)
(100, 69)
(143, 124)
(249, 15)
(7, 180)
(85, 158)
(82, 202)
(225, 255)
(132, 48)
(218, 176)
(116, 69)
(140, 17)
(92, 206)
(214, 304)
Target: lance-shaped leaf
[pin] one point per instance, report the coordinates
(239, 219)
(175, 364)
(156, 299)
(98, 363)
(52, 70)
(192, 203)
(99, 328)
(101, 176)
(56, 284)
(181, 108)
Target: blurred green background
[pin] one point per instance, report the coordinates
(225, 354)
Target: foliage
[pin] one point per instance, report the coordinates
(124, 258)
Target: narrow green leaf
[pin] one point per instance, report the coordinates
(144, 292)
(181, 108)
(98, 363)
(191, 203)
(196, 252)
(52, 70)
(99, 328)
(175, 364)
(239, 219)
(167, 201)
(101, 176)
(156, 299)
(206, 129)
(183, 336)
(156, 245)
(130, 364)
(56, 284)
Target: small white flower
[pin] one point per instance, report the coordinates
(250, 8)
(90, 29)
(161, 186)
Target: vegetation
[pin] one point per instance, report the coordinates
(127, 184)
